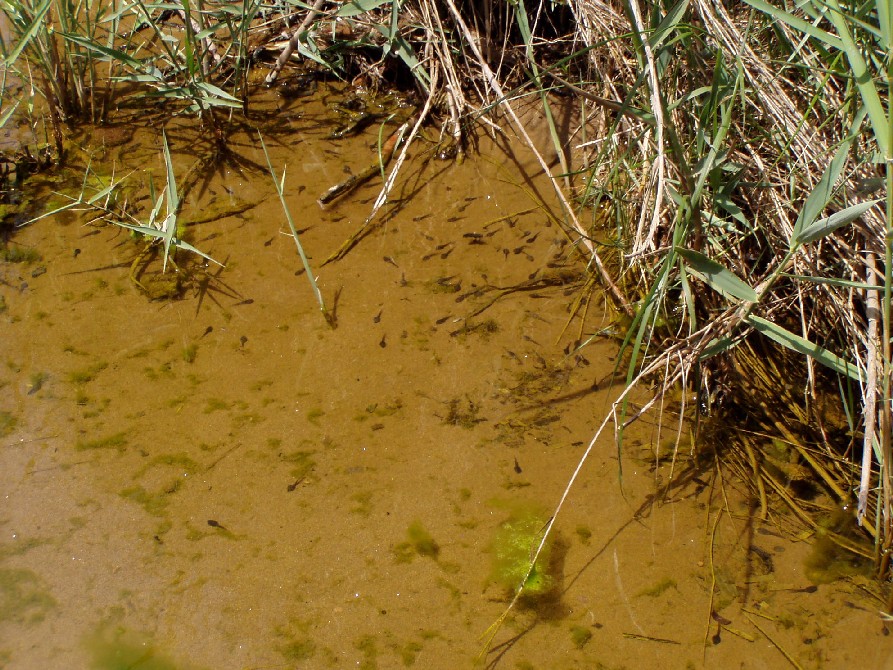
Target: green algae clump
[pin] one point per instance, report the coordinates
(514, 545)
(420, 544)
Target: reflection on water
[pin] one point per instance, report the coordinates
(225, 481)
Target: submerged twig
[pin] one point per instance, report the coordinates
(357, 180)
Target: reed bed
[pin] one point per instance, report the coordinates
(726, 178)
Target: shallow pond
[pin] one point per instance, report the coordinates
(224, 481)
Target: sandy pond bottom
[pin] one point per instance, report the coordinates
(223, 481)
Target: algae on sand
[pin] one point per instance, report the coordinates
(514, 545)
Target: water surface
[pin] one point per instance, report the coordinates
(224, 481)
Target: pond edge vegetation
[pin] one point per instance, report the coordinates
(726, 181)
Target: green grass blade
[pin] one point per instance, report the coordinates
(217, 96)
(821, 195)
(797, 23)
(173, 202)
(8, 113)
(885, 22)
(801, 345)
(840, 283)
(102, 194)
(829, 224)
(357, 7)
(189, 247)
(294, 233)
(720, 346)
(716, 276)
(148, 231)
(668, 24)
(397, 44)
(117, 56)
(864, 80)
(37, 24)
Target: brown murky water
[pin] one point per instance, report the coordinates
(223, 481)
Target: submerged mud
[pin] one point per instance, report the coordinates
(218, 479)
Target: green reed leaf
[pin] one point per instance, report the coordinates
(37, 24)
(668, 24)
(117, 56)
(357, 7)
(796, 22)
(801, 345)
(829, 224)
(864, 80)
(716, 276)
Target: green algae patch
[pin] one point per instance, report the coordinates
(296, 643)
(7, 423)
(463, 413)
(118, 649)
(419, 543)
(190, 351)
(301, 462)
(23, 596)
(215, 405)
(580, 635)
(658, 589)
(20, 254)
(514, 545)
(168, 474)
(314, 415)
(88, 374)
(117, 441)
(362, 503)
(154, 503)
(367, 646)
(829, 562)
(180, 461)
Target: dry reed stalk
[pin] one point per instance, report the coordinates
(656, 190)
(294, 42)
